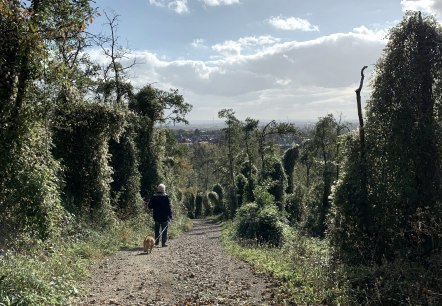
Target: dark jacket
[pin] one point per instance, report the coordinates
(162, 210)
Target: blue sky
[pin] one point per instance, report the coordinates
(265, 59)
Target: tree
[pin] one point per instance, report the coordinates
(403, 133)
(114, 74)
(219, 206)
(232, 137)
(289, 159)
(402, 151)
(324, 140)
(275, 176)
(272, 128)
(154, 106)
(32, 33)
(203, 157)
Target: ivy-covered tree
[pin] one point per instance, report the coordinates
(403, 151)
(154, 106)
(404, 136)
(219, 201)
(81, 142)
(232, 137)
(324, 141)
(125, 185)
(199, 205)
(32, 72)
(288, 160)
(274, 174)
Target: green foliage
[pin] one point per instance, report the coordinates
(31, 33)
(288, 160)
(199, 205)
(302, 267)
(310, 212)
(81, 143)
(274, 173)
(397, 282)
(219, 204)
(207, 205)
(324, 142)
(203, 156)
(249, 171)
(293, 204)
(150, 104)
(241, 185)
(29, 189)
(350, 221)
(125, 185)
(53, 272)
(34, 279)
(189, 203)
(381, 208)
(260, 222)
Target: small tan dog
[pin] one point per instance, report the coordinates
(149, 242)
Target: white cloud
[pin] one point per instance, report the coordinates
(228, 48)
(293, 23)
(428, 6)
(370, 33)
(235, 48)
(198, 43)
(179, 6)
(220, 2)
(274, 80)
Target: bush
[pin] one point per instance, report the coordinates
(189, 203)
(208, 207)
(219, 204)
(29, 189)
(260, 223)
(198, 205)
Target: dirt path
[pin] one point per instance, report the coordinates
(193, 270)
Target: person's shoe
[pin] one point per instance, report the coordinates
(164, 245)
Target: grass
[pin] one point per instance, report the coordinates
(302, 266)
(309, 276)
(53, 272)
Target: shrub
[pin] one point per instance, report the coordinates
(208, 207)
(260, 225)
(260, 221)
(219, 204)
(29, 189)
(189, 203)
(198, 205)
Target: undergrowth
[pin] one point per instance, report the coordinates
(309, 276)
(53, 272)
(302, 265)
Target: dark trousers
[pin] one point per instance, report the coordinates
(163, 226)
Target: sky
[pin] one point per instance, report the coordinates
(287, 60)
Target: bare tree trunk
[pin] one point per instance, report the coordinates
(361, 119)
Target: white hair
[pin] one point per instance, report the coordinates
(161, 188)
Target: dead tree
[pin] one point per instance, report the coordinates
(361, 119)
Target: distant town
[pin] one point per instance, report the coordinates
(190, 137)
(212, 132)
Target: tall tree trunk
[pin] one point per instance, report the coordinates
(361, 119)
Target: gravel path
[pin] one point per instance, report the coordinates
(193, 270)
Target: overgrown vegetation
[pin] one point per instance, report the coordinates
(338, 218)
(80, 153)
(371, 199)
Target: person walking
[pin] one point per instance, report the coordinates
(162, 213)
